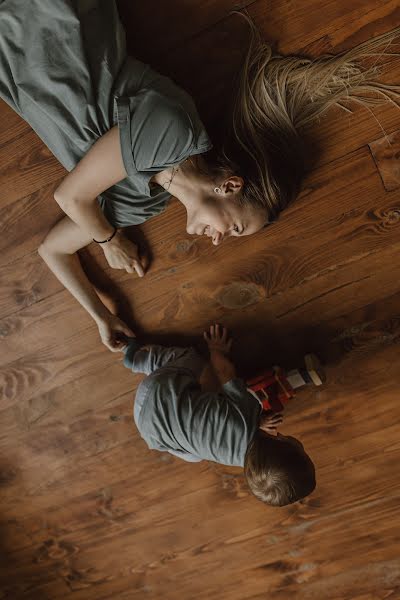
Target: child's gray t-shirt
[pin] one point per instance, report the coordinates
(177, 417)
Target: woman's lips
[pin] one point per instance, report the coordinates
(215, 235)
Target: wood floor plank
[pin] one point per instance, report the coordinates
(294, 27)
(385, 152)
(32, 217)
(26, 165)
(170, 24)
(86, 510)
(11, 125)
(297, 572)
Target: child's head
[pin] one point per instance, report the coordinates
(277, 469)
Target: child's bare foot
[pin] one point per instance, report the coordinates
(219, 344)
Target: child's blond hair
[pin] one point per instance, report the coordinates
(278, 471)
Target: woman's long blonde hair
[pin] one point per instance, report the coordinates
(278, 98)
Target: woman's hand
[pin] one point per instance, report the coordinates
(121, 253)
(113, 332)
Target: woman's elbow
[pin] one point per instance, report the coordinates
(49, 245)
(45, 249)
(61, 200)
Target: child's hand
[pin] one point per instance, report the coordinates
(219, 344)
(269, 422)
(218, 340)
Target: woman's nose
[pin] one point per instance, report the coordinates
(217, 238)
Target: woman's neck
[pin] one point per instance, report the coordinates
(185, 180)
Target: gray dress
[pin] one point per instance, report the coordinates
(64, 69)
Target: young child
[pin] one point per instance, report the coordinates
(174, 414)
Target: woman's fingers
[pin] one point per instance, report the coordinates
(134, 266)
(119, 345)
(138, 268)
(127, 331)
(114, 333)
(111, 345)
(120, 335)
(121, 253)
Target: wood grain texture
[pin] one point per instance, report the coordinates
(86, 510)
(386, 156)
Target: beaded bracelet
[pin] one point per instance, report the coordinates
(108, 239)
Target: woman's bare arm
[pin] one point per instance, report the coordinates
(100, 168)
(59, 251)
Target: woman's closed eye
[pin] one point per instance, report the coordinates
(238, 229)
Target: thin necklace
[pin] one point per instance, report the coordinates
(174, 172)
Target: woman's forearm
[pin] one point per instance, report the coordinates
(100, 168)
(68, 270)
(87, 215)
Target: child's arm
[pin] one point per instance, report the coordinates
(219, 344)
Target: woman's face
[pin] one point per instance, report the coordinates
(222, 217)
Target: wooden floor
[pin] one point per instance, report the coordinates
(86, 510)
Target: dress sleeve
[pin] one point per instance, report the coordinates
(157, 132)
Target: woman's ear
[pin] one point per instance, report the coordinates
(232, 185)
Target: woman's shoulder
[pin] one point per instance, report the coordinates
(164, 125)
(168, 128)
